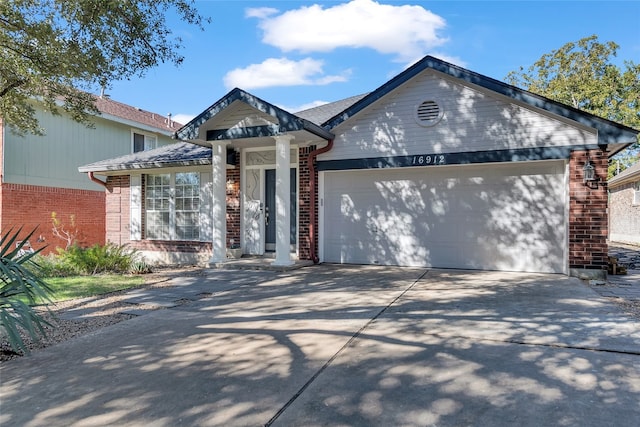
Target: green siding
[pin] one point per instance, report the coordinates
(52, 160)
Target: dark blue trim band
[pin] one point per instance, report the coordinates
(494, 156)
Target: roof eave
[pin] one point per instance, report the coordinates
(318, 131)
(135, 124)
(142, 166)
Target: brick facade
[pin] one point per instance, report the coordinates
(304, 203)
(588, 218)
(118, 213)
(30, 206)
(624, 214)
(233, 205)
(588, 221)
(117, 210)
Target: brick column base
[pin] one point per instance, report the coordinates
(588, 217)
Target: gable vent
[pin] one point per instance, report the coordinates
(428, 113)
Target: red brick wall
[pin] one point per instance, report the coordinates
(588, 221)
(304, 203)
(31, 206)
(117, 210)
(233, 205)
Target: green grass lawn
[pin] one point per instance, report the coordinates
(65, 288)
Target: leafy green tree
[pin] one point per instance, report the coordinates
(56, 51)
(582, 75)
(621, 162)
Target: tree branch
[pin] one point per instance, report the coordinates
(12, 85)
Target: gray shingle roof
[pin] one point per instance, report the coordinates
(188, 154)
(322, 113)
(178, 154)
(627, 173)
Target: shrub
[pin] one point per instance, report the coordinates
(140, 267)
(20, 289)
(52, 266)
(99, 258)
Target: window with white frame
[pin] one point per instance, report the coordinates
(144, 142)
(636, 193)
(172, 206)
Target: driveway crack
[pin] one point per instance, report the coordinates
(344, 347)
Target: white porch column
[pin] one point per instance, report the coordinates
(219, 202)
(283, 201)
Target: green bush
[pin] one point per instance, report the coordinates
(21, 288)
(98, 258)
(52, 266)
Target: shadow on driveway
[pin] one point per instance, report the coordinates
(340, 345)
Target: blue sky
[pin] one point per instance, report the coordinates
(298, 54)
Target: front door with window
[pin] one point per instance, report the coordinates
(270, 208)
(259, 201)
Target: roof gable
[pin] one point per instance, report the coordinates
(282, 120)
(608, 132)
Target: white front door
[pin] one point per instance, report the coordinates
(259, 184)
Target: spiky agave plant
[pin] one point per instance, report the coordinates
(20, 290)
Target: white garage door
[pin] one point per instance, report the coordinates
(505, 216)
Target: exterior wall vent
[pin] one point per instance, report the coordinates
(429, 113)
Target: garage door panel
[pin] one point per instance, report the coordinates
(501, 217)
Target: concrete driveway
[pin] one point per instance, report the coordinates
(336, 345)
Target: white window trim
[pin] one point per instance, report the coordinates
(636, 193)
(146, 135)
(135, 207)
(172, 209)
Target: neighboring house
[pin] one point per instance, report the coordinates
(624, 206)
(39, 174)
(439, 167)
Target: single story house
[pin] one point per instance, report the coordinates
(438, 167)
(624, 206)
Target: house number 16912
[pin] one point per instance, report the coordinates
(436, 159)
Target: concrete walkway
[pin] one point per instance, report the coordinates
(339, 345)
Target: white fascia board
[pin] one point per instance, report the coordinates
(138, 125)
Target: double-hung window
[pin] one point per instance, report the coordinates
(144, 142)
(172, 206)
(636, 193)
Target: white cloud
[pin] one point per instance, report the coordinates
(260, 12)
(405, 31)
(183, 118)
(296, 109)
(282, 72)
